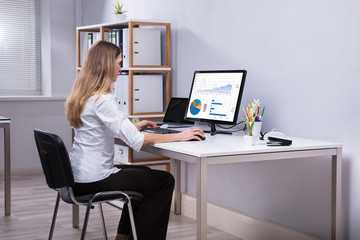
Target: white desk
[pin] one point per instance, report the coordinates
(226, 149)
(5, 123)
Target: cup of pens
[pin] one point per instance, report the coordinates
(253, 120)
(257, 130)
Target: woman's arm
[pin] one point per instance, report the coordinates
(190, 133)
(152, 138)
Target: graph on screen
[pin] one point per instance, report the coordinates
(216, 90)
(214, 96)
(217, 109)
(195, 107)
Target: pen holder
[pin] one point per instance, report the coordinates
(256, 130)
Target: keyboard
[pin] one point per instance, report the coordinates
(161, 130)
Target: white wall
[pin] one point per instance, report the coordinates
(302, 59)
(59, 70)
(63, 46)
(25, 116)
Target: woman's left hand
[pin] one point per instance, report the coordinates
(144, 124)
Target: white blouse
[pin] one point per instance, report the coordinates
(92, 152)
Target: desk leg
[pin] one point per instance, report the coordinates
(336, 196)
(7, 169)
(201, 199)
(75, 215)
(176, 171)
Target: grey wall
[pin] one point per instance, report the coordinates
(25, 116)
(58, 71)
(302, 59)
(63, 46)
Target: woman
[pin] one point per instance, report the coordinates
(92, 111)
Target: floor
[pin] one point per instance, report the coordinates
(32, 208)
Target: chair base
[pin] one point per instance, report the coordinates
(86, 218)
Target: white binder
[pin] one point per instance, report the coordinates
(146, 47)
(121, 91)
(147, 93)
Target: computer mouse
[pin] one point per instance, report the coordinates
(202, 138)
(164, 126)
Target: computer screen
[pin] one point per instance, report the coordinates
(215, 97)
(176, 110)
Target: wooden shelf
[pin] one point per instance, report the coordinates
(164, 68)
(130, 24)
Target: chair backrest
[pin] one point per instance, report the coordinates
(54, 160)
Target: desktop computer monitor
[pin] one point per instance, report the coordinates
(215, 97)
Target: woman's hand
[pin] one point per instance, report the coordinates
(191, 133)
(144, 124)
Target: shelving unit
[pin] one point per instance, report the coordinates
(133, 69)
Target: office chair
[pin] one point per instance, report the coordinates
(59, 176)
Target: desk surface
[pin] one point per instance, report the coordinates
(220, 145)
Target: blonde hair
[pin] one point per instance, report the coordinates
(95, 77)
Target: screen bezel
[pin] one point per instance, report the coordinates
(211, 121)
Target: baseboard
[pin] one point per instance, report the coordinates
(241, 225)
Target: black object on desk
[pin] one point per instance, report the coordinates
(276, 141)
(4, 119)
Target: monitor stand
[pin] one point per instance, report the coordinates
(213, 130)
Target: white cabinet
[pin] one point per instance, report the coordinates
(148, 93)
(125, 155)
(146, 47)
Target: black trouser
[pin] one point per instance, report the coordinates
(152, 214)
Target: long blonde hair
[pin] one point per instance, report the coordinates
(96, 77)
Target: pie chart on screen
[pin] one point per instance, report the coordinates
(195, 107)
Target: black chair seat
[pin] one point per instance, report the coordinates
(100, 196)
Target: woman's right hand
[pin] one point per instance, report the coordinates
(191, 133)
